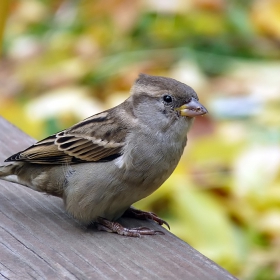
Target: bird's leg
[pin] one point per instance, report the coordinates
(143, 215)
(106, 225)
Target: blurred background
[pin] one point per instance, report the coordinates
(62, 61)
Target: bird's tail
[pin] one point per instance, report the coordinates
(9, 172)
(31, 176)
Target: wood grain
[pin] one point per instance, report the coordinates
(38, 240)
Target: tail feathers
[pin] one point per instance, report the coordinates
(32, 176)
(9, 173)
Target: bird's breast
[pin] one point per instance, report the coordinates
(148, 161)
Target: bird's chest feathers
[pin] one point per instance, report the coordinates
(150, 158)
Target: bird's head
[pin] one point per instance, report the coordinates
(164, 101)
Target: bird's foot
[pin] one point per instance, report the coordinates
(106, 225)
(143, 215)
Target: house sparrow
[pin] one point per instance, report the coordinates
(105, 163)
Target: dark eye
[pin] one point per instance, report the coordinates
(167, 98)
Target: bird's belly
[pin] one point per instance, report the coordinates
(125, 182)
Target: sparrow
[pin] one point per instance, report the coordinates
(105, 163)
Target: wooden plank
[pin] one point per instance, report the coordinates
(38, 240)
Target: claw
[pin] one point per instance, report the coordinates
(143, 215)
(106, 225)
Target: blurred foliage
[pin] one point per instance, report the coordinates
(65, 60)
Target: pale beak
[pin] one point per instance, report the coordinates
(192, 109)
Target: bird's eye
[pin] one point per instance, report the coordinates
(167, 98)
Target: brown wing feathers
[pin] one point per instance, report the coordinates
(90, 149)
(74, 145)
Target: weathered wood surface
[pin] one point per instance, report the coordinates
(38, 240)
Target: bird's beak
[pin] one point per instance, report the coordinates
(192, 109)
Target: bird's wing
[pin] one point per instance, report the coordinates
(97, 138)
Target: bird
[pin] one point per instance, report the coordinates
(105, 163)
